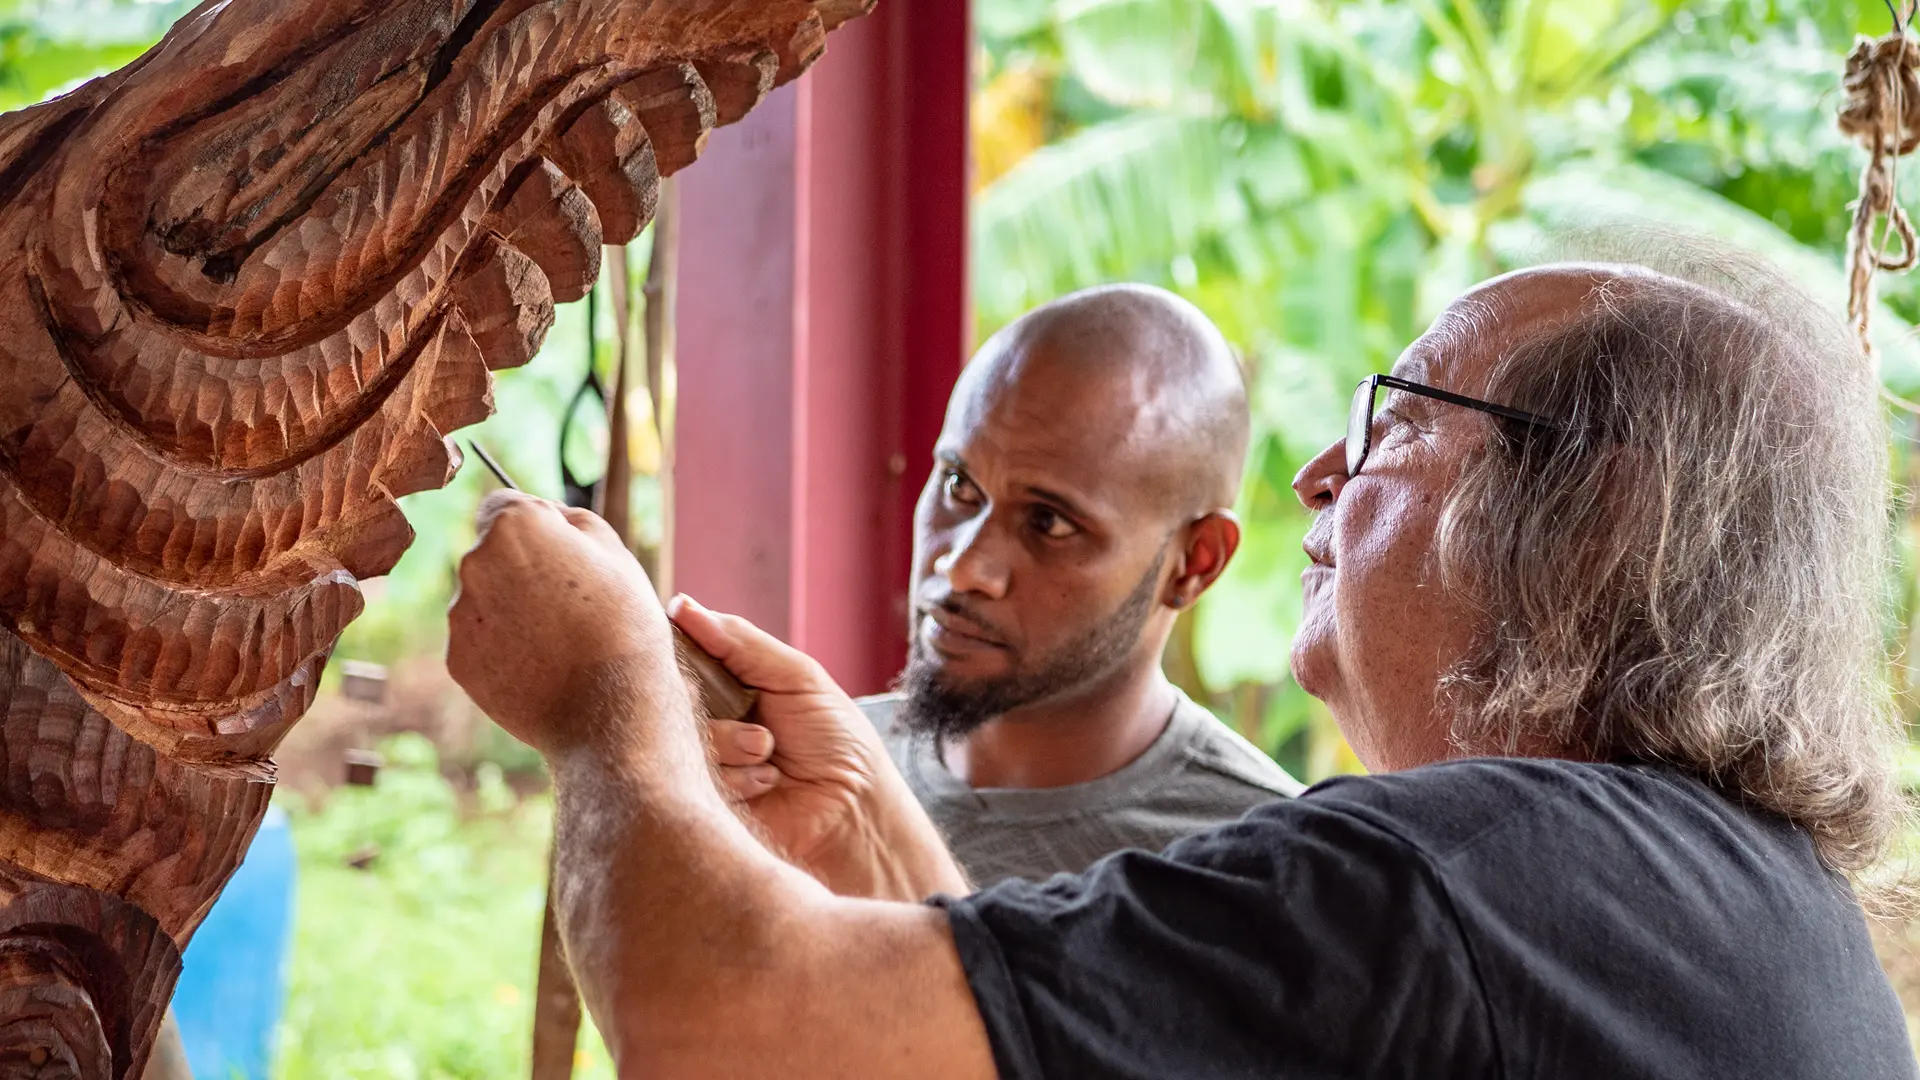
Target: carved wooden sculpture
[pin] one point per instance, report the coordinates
(249, 284)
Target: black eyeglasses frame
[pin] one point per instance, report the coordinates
(1370, 386)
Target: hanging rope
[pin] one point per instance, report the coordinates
(1882, 114)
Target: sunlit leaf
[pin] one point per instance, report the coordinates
(1009, 121)
(1566, 31)
(1004, 19)
(39, 69)
(49, 46)
(1191, 54)
(1106, 203)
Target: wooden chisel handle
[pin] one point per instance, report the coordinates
(721, 695)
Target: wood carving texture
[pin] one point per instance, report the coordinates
(251, 283)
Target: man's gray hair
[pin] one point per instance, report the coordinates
(1693, 570)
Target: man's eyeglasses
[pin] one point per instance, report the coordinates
(1360, 413)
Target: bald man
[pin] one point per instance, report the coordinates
(1081, 497)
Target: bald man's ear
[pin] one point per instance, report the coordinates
(1210, 544)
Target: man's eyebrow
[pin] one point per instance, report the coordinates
(950, 457)
(1414, 364)
(1063, 502)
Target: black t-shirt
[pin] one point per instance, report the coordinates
(1496, 918)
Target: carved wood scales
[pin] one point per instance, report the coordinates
(249, 284)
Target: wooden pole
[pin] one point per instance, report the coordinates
(556, 1001)
(616, 484)
(660, 293)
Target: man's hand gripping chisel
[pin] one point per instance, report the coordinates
(721, 695)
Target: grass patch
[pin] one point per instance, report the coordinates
(421, 965)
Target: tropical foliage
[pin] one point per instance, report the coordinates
(1320, 176)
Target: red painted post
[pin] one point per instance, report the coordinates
(823, 317)
(735, 335)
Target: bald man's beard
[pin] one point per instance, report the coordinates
(947, 709)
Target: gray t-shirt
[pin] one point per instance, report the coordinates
(1199, 773)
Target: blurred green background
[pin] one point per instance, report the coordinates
(1320, 176)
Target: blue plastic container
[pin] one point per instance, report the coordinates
(234, 984)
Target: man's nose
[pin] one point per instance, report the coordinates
(972, 565)
(1319, 482)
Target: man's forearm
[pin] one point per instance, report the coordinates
(700, 953)
(657, 880)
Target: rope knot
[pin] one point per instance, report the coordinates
(1882, 85)
(1882, 114)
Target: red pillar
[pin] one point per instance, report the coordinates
(823, 317)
